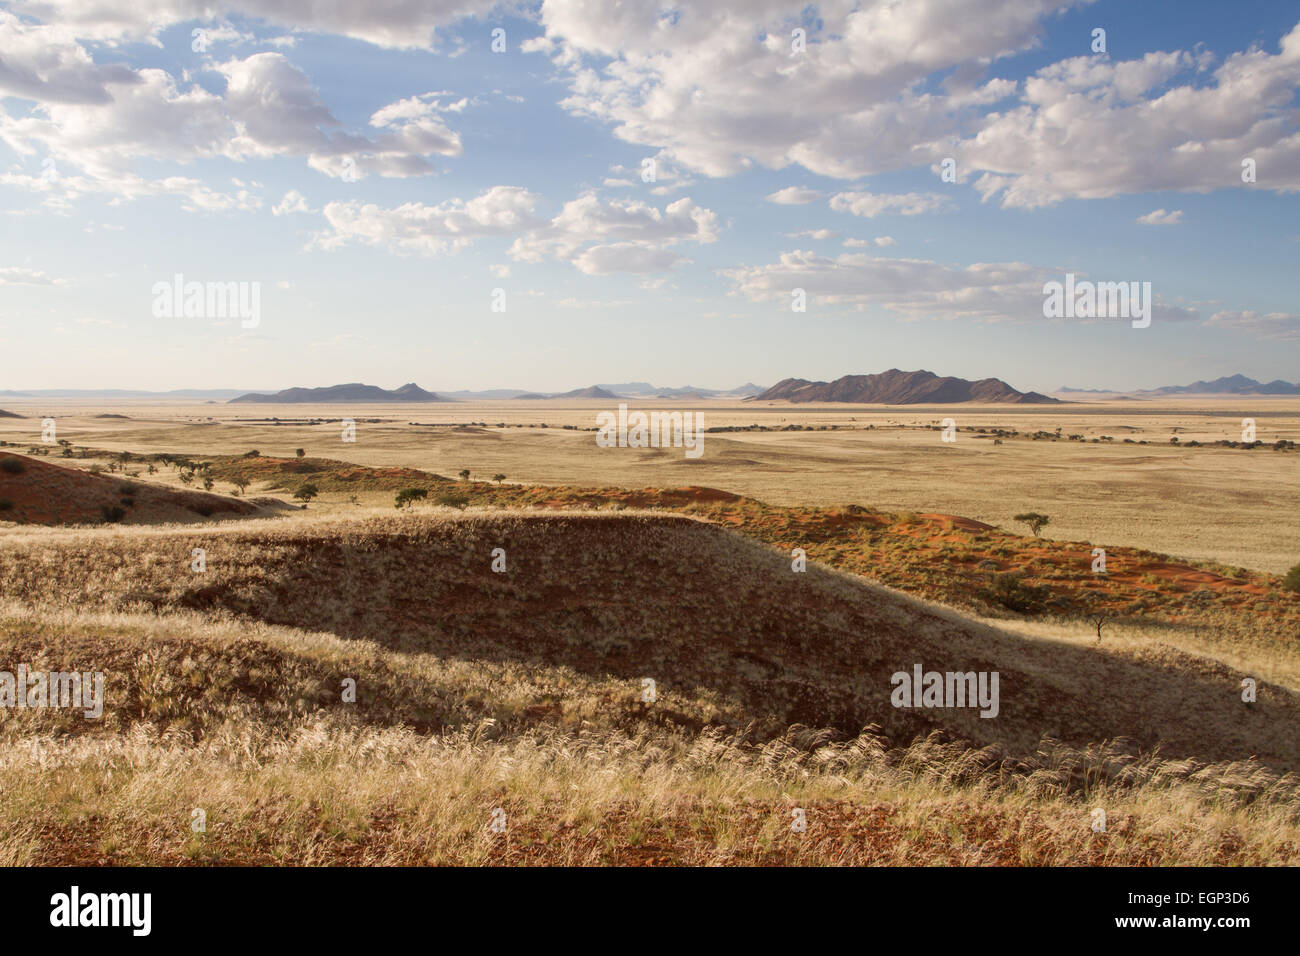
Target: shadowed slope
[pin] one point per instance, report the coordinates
(702, 611)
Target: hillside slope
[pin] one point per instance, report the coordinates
(44, 493)
(709, 615)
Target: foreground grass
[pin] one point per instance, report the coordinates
(244, 721)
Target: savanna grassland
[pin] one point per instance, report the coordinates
(523, 689)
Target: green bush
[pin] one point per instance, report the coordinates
(1292, 580)
(451, 499)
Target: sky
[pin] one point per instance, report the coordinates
(547, 195)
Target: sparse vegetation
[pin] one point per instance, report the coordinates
(408, 496)
(451, 499)
(1034, 520)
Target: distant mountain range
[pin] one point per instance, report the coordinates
(353, 393)
(896, 387)
(1228, 385)
(213, 394)
(616, 390)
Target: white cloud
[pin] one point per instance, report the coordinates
(18, 275)
(715, 85)
(618, 235)
(292, 202)
(1271, 325)
(914, 288)
(794, 196)
(812, 234)
(868, 243)
(430, 230)
(870, 205)
(405, 24)
(1161, 217)
(102, 123)
(1090, 127)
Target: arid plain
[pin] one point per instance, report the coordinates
(1230, 505)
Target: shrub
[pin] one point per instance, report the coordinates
(12, 465)
(1010, 591)
(252, 453)
(306, 493)
(1292, 580)
(451, 499)
(113, 513)
(5, 504)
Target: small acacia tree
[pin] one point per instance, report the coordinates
(300, 452)
(409, 496)
(498, 478)
(306, 493)
(1035, 521)
(464, 474)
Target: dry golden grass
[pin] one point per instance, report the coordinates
(481, 691)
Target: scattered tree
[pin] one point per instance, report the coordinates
(300, 452)
(241, 483)
(1035, 521)
(1098, 620)
(409, 496)
(498, 478)
(208, 483)
(464, 474)
(306, 493)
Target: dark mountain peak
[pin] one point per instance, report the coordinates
(350, 393)
(897, 387)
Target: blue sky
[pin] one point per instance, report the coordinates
(128, 156)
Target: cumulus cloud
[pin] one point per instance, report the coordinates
(292, 202)
(1092, 128)
(621, 235)
(718, 86)
(914, 288)
(597, 236)
(18, 275)
(406, 24)
(430, 230)
(1269, 325)
(794, 196)
(269, 108)
(1162, 217)
(870, 205)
